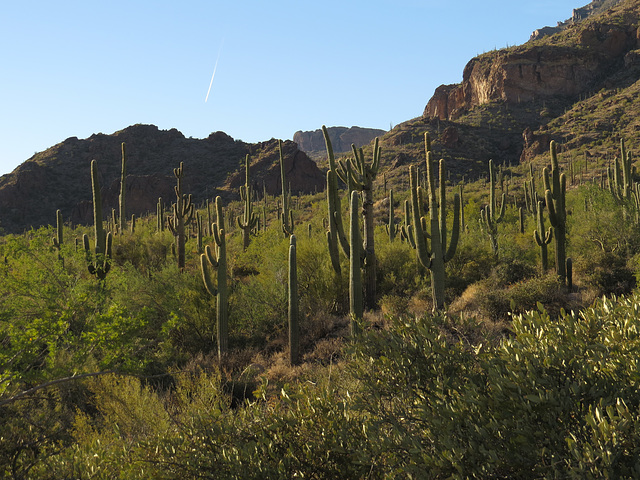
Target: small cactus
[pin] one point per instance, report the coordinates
(182, 215)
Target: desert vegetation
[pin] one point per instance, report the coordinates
(470, 338)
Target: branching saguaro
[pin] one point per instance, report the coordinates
(490, 215)
(217, 260)
(435, 255)
(248, 221)
(555, 184)
(182, 215)
(98, 262)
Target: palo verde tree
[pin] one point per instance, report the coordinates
(435, 255)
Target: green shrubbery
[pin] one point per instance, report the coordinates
(556, 399)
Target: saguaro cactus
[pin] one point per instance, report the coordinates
(58, 240)
(542, 239)
(160, 215)
(621, 185)
(356, 306)
(434, 257)
(287, 214)
(98, 263)
(391, 227)
(249, 219)
(294, 314)
(123, 186)
(490, 215)
(182, 216)
(218, 261)
(335, 234)
(360, 176)
(555, 192)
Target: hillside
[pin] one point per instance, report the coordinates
(59, 177)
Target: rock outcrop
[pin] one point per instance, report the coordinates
(341, 138)
(59, 178)
(534, 71)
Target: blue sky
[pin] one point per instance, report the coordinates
(74, 68)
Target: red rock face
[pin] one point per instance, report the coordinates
(536, 73)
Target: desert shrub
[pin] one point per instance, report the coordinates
(397, 267)
(608, 273)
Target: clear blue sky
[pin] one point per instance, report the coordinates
(74, 68)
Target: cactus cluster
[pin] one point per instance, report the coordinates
(437, 253)
(490, 215)
(358, 175)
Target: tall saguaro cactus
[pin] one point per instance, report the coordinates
(391, 228)
(287, 214)
(356, 306)
(490, 215)
(434, 256)
(555, 184)
(542, 239)
(218, 261)
(182, 215)
(98, 263)
(249, 219)
(294, 314)
(335, 234)
(621, 185)
(122, 198)
(360, 176)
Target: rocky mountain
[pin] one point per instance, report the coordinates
(585, 58)
(577, 86)
(59, 178)
(341, 138)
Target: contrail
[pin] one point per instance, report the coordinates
(214, 72)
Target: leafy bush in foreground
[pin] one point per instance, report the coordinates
(558, 399)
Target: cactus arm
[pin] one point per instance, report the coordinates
(206, 276)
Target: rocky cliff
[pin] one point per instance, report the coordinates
(586, 57)
(59, 178)
(341, 138)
